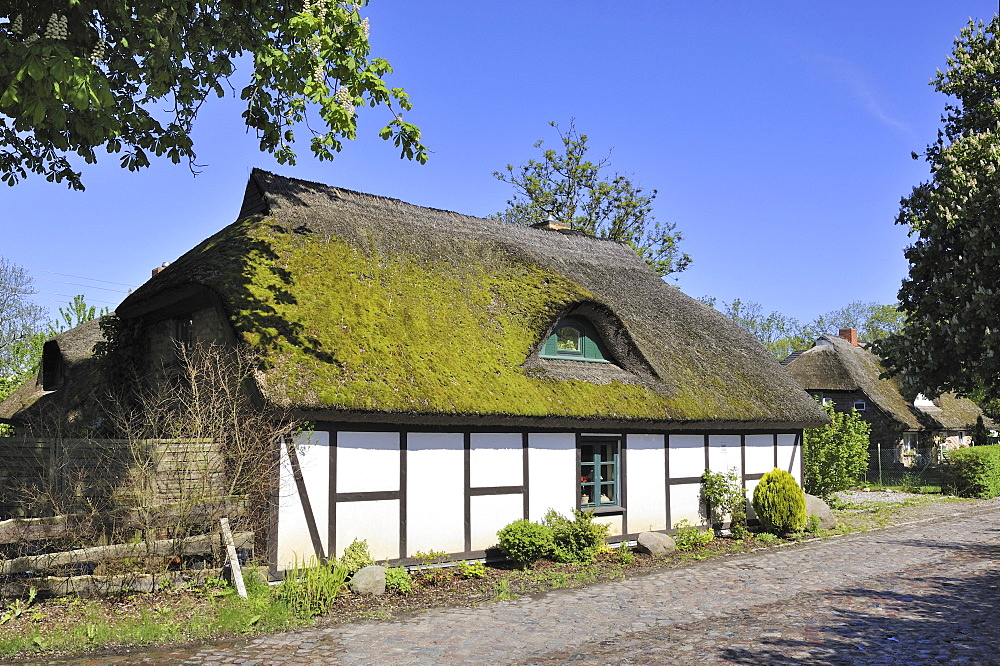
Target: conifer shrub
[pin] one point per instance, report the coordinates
(525, 542)
(575, 541)
(779, 502)
(973, 472)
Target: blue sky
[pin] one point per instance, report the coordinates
(778, 135)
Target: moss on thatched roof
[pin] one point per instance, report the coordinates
(361, 303)
(834, 364)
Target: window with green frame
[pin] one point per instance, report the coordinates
(599, 482)
(574, 340)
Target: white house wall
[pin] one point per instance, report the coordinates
(405, 492)
(646, 473)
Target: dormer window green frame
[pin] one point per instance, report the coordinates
(574, 339)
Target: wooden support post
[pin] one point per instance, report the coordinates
(234, 560)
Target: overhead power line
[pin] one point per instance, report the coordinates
(80, 277)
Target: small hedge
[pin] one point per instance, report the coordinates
(779, 503)
(973, 472)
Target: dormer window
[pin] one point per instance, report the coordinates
(574, 340)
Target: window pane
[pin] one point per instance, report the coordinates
(608, 493)
(587, 453)
(587, 495)
(568, 339)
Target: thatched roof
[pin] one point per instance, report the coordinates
(71, 357)
(834, 364)
(370, 308)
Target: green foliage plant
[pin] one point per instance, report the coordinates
(311, 589)
(576, 541)
(973, 471)
(779, 502)
(723, 495)
(812, 524)
(430, 557)
(91, 74)
(356, 557)
(624, 555)
(398, 579)
(471, 569)
(691, 537)
(835, 456)
(526, 542)
(571, 188)
(765, 538)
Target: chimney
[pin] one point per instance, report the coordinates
(158, 269)
(851, 335)
(549, 224)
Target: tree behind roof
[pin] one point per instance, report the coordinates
(573, 190)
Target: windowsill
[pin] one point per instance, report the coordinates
(567, 357)
(607, 509)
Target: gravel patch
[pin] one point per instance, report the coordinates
(879, 496)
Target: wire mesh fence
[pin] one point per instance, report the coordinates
(908, 468)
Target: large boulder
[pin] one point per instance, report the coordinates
(817, 507)
(369, 580)
(656, 543)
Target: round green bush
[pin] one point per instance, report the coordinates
(779, 503)
(524, 541)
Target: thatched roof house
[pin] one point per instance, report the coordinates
(64, 385)
(459, 373)
(837, 369)
(366, 305)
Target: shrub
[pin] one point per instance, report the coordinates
(779, 502)
(356, 557)
(690, 537)
(471, 569)
(723, 495)
(311, 590)
(835, 456)
(525, 542)
(576, 541)
(973, 472)
(766, 538)
(624, 555)
(398, 579)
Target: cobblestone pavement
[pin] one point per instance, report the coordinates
(922, 593)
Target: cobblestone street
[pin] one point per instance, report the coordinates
(922, 593)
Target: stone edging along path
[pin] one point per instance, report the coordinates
(559, 622)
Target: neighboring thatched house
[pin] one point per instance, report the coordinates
(459, 373)
(63, 387)
(837, 369)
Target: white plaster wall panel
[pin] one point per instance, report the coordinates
(760, 453)
(376, 521)
(645, 483)
(495, 459)
(687, 455)
(553, 478)
(490, 514)
(367, 461)
(724, 453)
(294, 539)
(685, 504)
(788, 456)
(435, 493)
(614, 524)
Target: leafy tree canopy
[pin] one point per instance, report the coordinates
(835, 456)
(951, 298)
(131, 77)
(575, 192)
(782, 335)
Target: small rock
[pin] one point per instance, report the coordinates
(369, 580)
(817, 507)
(656, 544)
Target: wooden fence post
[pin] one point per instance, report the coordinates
(234, 560)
